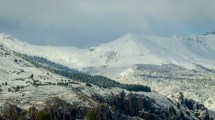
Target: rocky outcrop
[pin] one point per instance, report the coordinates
(122, 106)
(144, 107)
(200, 111)
(57, 109)
(149, 109)
(61, 110)
(11, 112)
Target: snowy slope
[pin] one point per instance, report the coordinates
(17, 88)
(127, 51)
(116, 57)
(183, 50)
(17, 82)
(197, 84)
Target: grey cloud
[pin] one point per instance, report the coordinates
(85, 23)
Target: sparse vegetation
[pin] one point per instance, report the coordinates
(9, 90)
(44, 115)
(76, 75)
(91, 114)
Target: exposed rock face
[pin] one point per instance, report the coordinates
(144, 107)
(137, 106)
(12, 112)
(32, 113)
(60, 110)
(122, 106)
(57, 109)
(147, 108)
(201, 112)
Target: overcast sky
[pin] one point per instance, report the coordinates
(84, 23)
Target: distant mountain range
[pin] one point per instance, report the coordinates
(126, 51)
(167, 64)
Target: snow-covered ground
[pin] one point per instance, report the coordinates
(19, 79)
(18, 82)
(197, 84)
(25, 85)
(117, 58)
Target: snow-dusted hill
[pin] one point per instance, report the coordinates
(27, 91)
(198, 84)
(127, 51)
(19, 78)
(189, 58)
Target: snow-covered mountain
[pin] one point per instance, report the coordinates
(126, 51)
(28, 91)
(110, 59)
(167, 64)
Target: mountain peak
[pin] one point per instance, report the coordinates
(128, 35)
(128, 39)
(124, 41)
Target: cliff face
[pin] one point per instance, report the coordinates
(121, 106)
(150, 109)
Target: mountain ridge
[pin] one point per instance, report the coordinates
(127, 51)
(106, 59)
(32, 92)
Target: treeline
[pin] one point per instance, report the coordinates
(44, 62)
(98, 80)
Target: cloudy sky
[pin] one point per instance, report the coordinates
(85, 23)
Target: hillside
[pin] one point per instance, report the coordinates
(32, 92)
(167, 64)
(126, 51)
